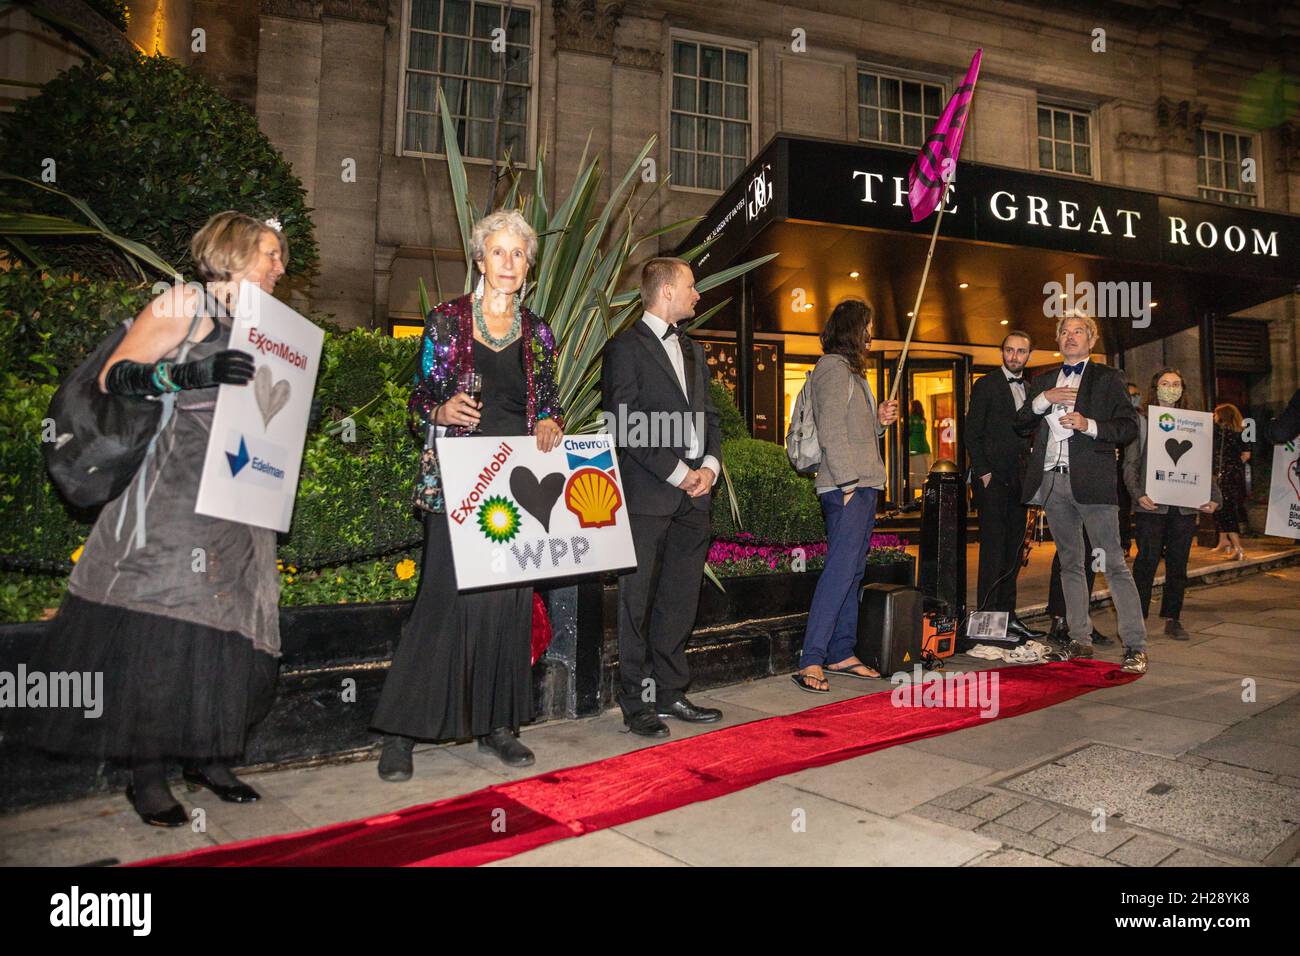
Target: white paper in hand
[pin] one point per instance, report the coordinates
(1059, 431)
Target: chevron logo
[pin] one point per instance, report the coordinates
(603, 461)
(239, 459)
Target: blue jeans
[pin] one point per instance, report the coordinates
(832, 633)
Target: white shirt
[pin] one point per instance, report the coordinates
(1017, 388)
(673, 348)
(1059, 451)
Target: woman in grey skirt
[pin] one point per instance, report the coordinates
(178, 611)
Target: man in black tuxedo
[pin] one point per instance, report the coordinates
(1078, 416)
(655, 373)
(997, 457)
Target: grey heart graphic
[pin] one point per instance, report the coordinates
(1177, 449)
(536, 497)
(270, 399)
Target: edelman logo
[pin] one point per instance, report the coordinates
(257, 464)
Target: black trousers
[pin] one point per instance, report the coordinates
(1167, 536)
(1055, 596)
(1002, 532)
(657, 604)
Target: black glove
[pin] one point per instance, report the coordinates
(229, 367)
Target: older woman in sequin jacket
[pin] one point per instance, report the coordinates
(462, 667)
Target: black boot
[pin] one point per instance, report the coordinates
(506, 745)
(395, 764)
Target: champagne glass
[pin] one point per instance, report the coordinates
(471, 383)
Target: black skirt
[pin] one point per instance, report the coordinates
(463, 665)
(171, 689)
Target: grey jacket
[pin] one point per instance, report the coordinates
(847, 429)
(1135, 475)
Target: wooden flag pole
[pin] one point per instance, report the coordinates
(916, 308)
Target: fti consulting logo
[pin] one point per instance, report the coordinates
(498, 519)
(1166, 422)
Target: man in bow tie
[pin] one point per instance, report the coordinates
(1078, 416)
(656, 371)
(997, 456)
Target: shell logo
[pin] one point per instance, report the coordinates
(593, 496)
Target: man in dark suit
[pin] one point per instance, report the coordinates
(1078, 416)
(654, 373)
(997, 456)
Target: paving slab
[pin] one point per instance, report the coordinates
(602, 848)
(887, 782)
(777, 696)
(1253, 752)
(755, 827)
(1142, 851)
(1013, 857)
(1245, 818)
(115, 833)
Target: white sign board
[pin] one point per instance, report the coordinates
(517, 514)
(1284, 495)
(1180, 445)
(250, 474)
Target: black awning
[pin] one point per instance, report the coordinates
(832, 208)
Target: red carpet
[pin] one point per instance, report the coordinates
(552, 806)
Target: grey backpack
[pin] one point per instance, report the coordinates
(802, 446)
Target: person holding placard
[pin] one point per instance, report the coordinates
(178, 610)
(1286, 426)
(487, 367)
(1162, 531)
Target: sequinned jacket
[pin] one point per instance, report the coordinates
(447, 352)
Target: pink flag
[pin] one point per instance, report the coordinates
(938, 157)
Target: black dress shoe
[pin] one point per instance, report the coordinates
(1100, 639)
(1059, 632)
(645, 723)
(395, 764)
(507, 747)
(1018, 628)
(230, 793)
(173, 816)
(683, 709)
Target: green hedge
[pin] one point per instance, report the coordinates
(777, 504)
(154, 150)
(730, 423)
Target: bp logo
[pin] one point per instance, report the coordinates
(1166, 422)
(498, 519)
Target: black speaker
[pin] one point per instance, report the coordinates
(889, 627)
(942, 572)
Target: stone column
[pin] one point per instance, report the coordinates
(584, 79)
(229, 58)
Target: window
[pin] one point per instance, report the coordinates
(893, 110)
(1064, 140)
(1219, 167)
(710, 122)
(450, 44)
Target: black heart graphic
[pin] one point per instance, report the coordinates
(536, 497)
(1177, 449)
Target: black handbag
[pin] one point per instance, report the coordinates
(100, 440)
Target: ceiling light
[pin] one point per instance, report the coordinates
(1154, 303)
(1057, 354)
(963, 285)
(854, 275)
(910, 314)
(1004, 322)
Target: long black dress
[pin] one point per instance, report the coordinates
(1231, 470)
(462, 667)
(178, 611)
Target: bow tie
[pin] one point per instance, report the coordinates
(1016, 379)
(671, 331)
(1074, 369)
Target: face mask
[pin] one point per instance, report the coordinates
(1168, 394)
